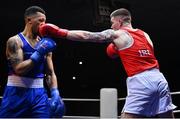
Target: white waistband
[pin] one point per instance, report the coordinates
(149, 71)
(25, 82)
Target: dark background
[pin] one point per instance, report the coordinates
(159, 18)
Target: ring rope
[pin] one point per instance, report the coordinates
(94, 100)
(81, 117)
(78, 99)
(176, 111)
(175, 93)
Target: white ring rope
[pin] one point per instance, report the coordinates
(175, 93)
(80, 117)
(176, 111)
(78, 99)
(81, 99)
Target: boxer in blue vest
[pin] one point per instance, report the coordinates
(29, 63)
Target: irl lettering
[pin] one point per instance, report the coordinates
(144, 53)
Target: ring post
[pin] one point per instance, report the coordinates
(108, 103)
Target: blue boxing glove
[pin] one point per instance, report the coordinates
(57, 107)
(43, 47)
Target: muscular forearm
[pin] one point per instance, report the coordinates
(80, 35)
(51, 81)
(77, 35)
(23, 67)
(52, 30)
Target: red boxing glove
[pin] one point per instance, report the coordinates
(112, 51)
(52, 30)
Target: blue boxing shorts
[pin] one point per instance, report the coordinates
(22, 100)
(148, 94)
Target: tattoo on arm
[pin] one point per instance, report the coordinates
(14, 60)
(12, 50)
(104, 36)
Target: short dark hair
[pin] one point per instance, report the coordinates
(122, 12)
(33, 10)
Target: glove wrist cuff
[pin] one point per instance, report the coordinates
(54, 92)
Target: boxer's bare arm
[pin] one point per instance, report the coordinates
(52, 30)
(14, 55)
(51, 78)
(80, 35)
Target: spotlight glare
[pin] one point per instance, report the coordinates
(80, 62)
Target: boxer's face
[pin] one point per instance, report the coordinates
(38, 20)
(35, 21)
(116, 23)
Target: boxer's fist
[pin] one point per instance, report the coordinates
(52, 30)
(111, 51)
(43, 47)
(57, 107)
